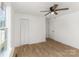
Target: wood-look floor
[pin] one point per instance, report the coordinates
(50, 48)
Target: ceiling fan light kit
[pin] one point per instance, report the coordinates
(53, 10)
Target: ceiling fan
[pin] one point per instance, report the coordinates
(53, 9)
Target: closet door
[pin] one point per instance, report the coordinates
(24, 31)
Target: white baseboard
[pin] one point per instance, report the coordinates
(38, 42)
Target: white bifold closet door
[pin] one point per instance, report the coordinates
(24, 31)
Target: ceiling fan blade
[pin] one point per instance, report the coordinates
(44, 11)
(62, 9)
(55, 13)
(55, 6)
(47, 13)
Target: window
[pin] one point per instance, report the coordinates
(3, 40)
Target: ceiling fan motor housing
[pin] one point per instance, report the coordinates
(51, 9)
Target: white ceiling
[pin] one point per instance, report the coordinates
(36, 7)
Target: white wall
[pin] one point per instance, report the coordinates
(66, 29)
(47, 27)
(36, 29)
(12, 27)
